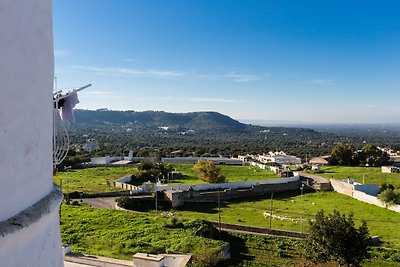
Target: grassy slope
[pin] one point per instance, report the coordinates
(120, 234)
(382, 222)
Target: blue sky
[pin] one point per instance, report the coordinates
(308, 61)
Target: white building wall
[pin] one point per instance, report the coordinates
(233, 185)
(26, 82)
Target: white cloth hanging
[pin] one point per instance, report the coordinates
(66, 111)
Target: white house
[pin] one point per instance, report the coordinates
(279, 158)
(390, 169)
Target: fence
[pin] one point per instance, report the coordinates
(259, 230)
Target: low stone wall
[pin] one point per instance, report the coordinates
(259, 230)
(123, 183)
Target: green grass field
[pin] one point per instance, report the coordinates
(120, 234)
(382, 222)
(370, 175)
(232, 174)
(94, 180)
(91, 180)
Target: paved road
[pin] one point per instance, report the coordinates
(316, 178)
(101, 202)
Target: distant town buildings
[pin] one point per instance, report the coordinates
(278, 157)
(389, 151)
(390, 169)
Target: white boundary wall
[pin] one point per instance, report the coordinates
(347, 189)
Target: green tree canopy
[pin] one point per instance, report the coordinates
(343, 154)
(208, 172)
(334, 237)
(372, 156)
(390, 197)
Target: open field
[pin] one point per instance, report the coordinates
(371, 175)
(382, 222)
(232, 173)
(120, 234)
(94, 180)
(91, 180)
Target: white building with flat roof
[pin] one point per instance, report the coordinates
(279, 158)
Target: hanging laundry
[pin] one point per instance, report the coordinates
(66, 111)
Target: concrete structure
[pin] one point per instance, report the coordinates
(104, 160)
(246, 158)
(160, 260)
(279, 158)
(395, 161)
(178, 195)
(390, 169)
(29, 219)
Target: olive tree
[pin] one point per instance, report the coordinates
(208, 172)
(334, 237)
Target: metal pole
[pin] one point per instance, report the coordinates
(61, 193)
(301, 211)
(219, 210)
(155, 189)
(270, 210)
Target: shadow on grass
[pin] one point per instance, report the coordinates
(238, 250)
(208, 208)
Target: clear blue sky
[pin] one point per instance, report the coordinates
(309, 61)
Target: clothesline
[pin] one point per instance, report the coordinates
(66, 103)
(58, 94)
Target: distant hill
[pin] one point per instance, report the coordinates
(195, 133)
(197, 121)
(206, 133)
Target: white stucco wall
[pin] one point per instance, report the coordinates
(35, 246)
(26, 82)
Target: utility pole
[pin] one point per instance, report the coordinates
(61, 193)
(156, 191)
(270, 210)
(301, 211)
(219, 211)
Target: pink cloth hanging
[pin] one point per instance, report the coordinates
(66, 110)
